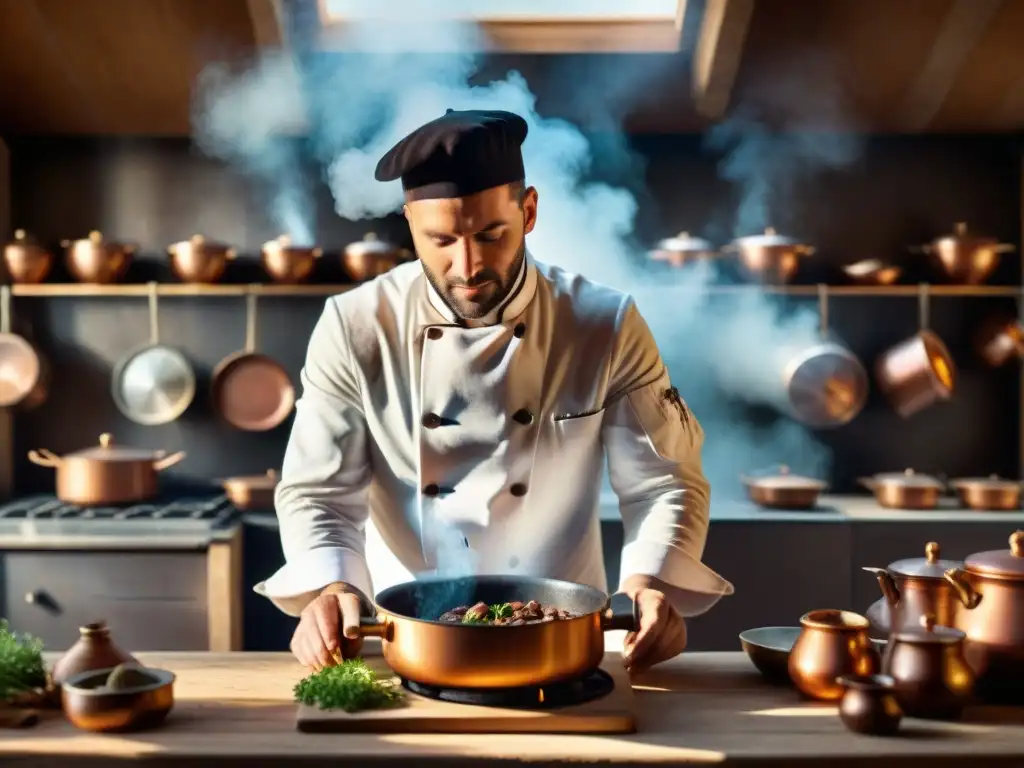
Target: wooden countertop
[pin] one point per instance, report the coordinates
(703, 708)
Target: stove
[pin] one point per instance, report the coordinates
(45, 515)
(591, 686)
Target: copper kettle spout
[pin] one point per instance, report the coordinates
(962, 588)
(887, 585)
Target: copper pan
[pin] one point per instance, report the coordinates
(770, 257)
(1000, 340)
(25, 260)
(251, 492)
(23, 373)
(370, 257)
(424, 650)
(917, 372)
(287, 262)
(96, 260)
(963, 257)
(683, 249)
(251, 391)
(198, 260)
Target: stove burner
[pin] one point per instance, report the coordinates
(212, 511)
(589, 687)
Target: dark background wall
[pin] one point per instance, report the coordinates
(902, 191)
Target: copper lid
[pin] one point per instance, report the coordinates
(1000, 563)
(783, 478)
(267, 480)
(684, 243)
(23, 238)
(107, 451)
(928, 567)
(371, 245)
(908, 478)
(930, 632)
(200, 243)
(961, 234)
(769, 238)
(991, 483)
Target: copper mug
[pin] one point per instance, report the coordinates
(831, 644)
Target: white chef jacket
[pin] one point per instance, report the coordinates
(423, 444)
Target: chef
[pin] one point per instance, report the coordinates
(456, 413)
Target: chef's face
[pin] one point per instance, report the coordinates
(472, 247)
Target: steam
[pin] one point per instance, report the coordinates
(720, 347)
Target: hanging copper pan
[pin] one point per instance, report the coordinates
(23, 373)
(251, 391)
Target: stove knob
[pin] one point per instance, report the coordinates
(33, 597)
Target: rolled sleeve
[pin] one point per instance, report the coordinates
(654, 443)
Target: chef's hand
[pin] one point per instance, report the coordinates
(660, 636)
(328, 628)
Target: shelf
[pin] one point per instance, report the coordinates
(191, 289)
(175, 289)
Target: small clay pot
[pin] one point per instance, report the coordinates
(869, 704)
(94, 650)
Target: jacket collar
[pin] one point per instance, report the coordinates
(513, 305)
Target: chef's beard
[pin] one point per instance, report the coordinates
(474, 310)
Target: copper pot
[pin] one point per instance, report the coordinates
(1000, 341)
(430, 652)
(286, 262)
(25, 260)
(106, 474)
(95, 260)
(988, 493)
(252, 492)
(873, 272)
(965, 258)
(94, 649)
(770, 257)
(25, 379)
(367, 258)
(904, 490)
(913, 588)
(831, 644)
(933, 679)
(198, 260)
(869, 705)
(91, 706)
(682, 249)
(784, 490)
(991, 590)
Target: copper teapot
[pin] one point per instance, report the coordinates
(932, 677)
(990, 587)
(911, 589)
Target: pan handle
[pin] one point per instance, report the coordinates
(44, 458)
(622, 613)
(168, 461)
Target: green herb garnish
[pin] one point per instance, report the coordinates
(350, 686)
(21, 662)
(501, 611)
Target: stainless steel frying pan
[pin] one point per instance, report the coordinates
(153, 384)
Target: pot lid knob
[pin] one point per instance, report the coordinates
(370, 237)
(783, 469)
(284, 240)
(769, 230)
(19, 234)
(931, 552)
(908, 472)
(272, 473)
(95, 236)
(960, 228)
(1017, 544)
(683, 236)
(928, 623)
(196, 239)
(106, 439)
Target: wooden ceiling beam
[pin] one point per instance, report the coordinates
(718, 53)
(964, 24)
(267, 23)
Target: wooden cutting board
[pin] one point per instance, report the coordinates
(609, 714)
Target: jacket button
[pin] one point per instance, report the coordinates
(523, 416)
(519, 330)
(434, 333)
(431, 421)
(432, 490)
(518, 489)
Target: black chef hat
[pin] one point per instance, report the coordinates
(457, 155)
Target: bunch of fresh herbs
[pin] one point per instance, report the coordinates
(21, 662)
(350, 686)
